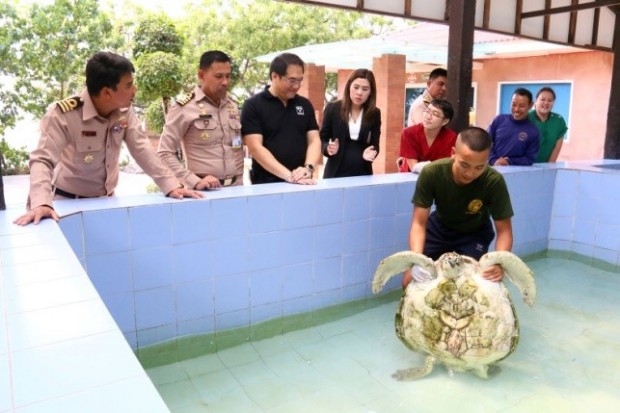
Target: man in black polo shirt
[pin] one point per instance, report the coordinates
(280, 129)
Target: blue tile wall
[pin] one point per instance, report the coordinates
(200, 266)
(106, 231)
(265, 213)
(357, 203)
(152, 268)
(149, 226)
(193, 261)
(190, 221)
(232, 293)
(111, 273)
(328, 240)
(298, 210)
(229, 218)
(262, 251)
(329, 207)
(72, 228)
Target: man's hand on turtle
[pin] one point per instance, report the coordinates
(493, 273)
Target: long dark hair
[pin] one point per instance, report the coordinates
(370, 105)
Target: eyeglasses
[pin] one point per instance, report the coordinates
(433, 114)
(292, 81)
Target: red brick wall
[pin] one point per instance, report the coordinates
(313, 88)
(389, 71)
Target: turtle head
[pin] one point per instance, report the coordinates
(451, 264)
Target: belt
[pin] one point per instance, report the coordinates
(66, 194)
(70, 195)
(224, 182)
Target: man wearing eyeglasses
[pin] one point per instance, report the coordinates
(279, 127)
(429, 140)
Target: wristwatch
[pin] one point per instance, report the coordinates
(310, 167)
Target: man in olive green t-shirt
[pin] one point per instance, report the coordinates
(467, 192)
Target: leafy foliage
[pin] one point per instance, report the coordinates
(9, 100)
(155, 118)
(158, 75)
(44, 46)
(15, 160)
(54, 43)
(157, 33)
(245, 29)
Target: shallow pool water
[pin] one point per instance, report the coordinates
(568, 360)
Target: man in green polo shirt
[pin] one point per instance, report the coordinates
(467, 193)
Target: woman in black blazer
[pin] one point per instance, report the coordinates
(351, 128)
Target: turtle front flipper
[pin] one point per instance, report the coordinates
(515, 270)
(397, 263)
(415, 372)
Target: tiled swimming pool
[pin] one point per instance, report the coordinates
(161, 270)
(567, 361)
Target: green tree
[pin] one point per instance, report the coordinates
(15, 160)
(157, 45)
(157, 33)
(53, 45)
(158, 76)
(248, 28)
(9, 100)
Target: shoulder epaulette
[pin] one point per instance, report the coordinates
(184, 100)
(69, 104)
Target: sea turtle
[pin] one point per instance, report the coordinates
(457, 317)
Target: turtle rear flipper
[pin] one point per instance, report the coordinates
(415, 373)
(397, 263)
(487, 371)
(515, 270)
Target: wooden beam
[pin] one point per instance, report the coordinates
(460, 60)
(407, 10)
(547, 21)
(566, 9)
(446, 14)
(572, 23)
(612, 135)
(518, 18)
(486, 14)
(360, 5)
(595, 23)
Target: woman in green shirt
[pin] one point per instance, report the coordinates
(551, 125)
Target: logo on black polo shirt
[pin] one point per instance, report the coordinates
(474, 206)
(300, 110)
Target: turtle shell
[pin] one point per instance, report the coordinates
(460, 318)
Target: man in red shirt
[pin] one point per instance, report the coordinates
(429, 140)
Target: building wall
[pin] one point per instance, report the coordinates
(590, 73)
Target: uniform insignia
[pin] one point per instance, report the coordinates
(120, 125)
(204, 136)
(69, 104)
(184, 100)
(89, 158)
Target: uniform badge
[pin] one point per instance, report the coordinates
(236, 141)
(120, 125)
(70, 104)
(184, 100)
(204, 136)
(89, 158)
